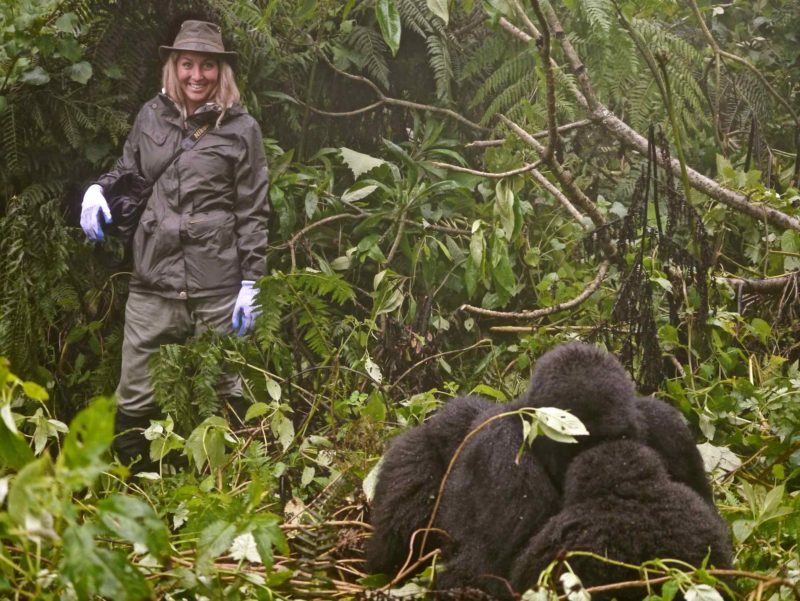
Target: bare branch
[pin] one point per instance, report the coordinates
(559, 196)
(766, 286)
(383, 99)
(524, 169)
(623, 132)
(549, 78)
(514, 30)
(570, 304)
(293, 240)
(573, 192)
(537, 135)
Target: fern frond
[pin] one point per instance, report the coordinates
(439, 61)
(599, 13)
(369, 44)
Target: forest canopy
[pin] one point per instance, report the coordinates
(456, 187)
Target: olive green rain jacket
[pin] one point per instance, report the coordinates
(204, 229)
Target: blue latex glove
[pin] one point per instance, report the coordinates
(93, 206)
(245, 310)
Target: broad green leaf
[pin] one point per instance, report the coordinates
(89, 438)
(7, 419)
(135, 521)
(80, 72)
(440, 9)
(283, 429)
(268, 536)
(790, 243)
(97, 572)
(504, 208)
(215, 540)
(273, 389)
(31, 491)
(67, 23)
(389, 23)
(742, 529)
(502, 273)
(761, 329)
(307, 476)
(358, 193)
(472, 276)
(256, 410)
(485, 390)
(206, 443)
(359, 163)
(34, 391)
(311, 204)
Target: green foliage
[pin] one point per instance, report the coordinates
(375, 251)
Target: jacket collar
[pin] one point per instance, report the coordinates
(208, 112)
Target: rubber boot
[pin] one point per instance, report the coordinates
(130, 445)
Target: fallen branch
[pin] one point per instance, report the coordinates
(570, 304)
(487, 174)
(539, 134)
(601, 115)
(766, 286)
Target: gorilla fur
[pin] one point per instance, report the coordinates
(591, 384)
(619, 502)
(409, 480)
(495, 499)
(499, 494)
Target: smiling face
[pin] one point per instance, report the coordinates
(198, 75)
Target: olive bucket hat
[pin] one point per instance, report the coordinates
(199, 36)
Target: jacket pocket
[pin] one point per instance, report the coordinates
(203, 226)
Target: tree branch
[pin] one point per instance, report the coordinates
(623, 132)
(537, 135)
(524, 169)
(570, 304)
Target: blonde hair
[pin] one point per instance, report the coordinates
(226, 93)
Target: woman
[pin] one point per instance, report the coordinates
(201, 241)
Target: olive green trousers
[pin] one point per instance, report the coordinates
(152, 321)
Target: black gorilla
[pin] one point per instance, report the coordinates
(408, 483)
(500, 494)
(619, 502)
(496, 498)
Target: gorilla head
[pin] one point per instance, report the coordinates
(592, 385)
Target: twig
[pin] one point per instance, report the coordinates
(383, 99)
(587, 292)
(308, 228)
(481, 342)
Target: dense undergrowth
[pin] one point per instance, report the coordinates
(401, 275)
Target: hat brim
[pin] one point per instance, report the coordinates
(230, 56)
